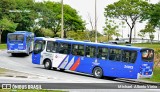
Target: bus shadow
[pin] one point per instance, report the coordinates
(19, 55)
(81, 74)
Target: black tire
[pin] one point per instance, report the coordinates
(54, 68)
(115, 42)
(97, 72)
(47, 64)
(13, 54)
(111, 78)
(28, 53)
(62, 70)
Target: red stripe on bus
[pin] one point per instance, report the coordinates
(76, 64)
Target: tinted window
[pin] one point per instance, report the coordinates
(39, 46)
(78, 50)
(147, 55)
(18, 37)
(102, 53)
(129, 56)
(90, 51)
(64, 48)
(115, 54)
(52, 46)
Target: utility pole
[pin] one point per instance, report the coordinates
(62, 31)
(95, 21)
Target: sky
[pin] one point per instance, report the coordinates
(86, 8)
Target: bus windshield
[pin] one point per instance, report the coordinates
(147, 55)
(16, 37)
(39, 46)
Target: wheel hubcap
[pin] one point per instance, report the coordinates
(47, 64)
(97, 72)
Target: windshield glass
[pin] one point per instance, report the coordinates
(39, 46)
(147, 55)
(16, 37)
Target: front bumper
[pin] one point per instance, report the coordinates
(139, 76)
(16, 51)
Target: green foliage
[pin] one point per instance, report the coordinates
(149, 28)
(156, 74)
(152, 14)
(5, 25)
(141, 34)
(19, 11)
(79, 35)
(43, 32)
(127, 10)
(33, 16)
(50, 14)
(111, 29)
(3, 46)
(102, 39)
(154, 46)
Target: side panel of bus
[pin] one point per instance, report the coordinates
(120, 67)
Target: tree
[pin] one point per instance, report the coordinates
(26, 15)
(128, 10)
(50, 17)
(152, 14)
(110, 29)
(142, 34)
(6, 24)
(5, 7)
(19, 11)
(149, 28)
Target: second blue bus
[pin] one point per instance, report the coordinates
(20, 42)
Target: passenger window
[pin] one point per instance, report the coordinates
(129, 56)
(102, 53)
(52, 47)
(115, 54)
(64, 48)
(78, 50)
(90, 51)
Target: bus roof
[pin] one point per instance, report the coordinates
(22, 32)
(92, 43)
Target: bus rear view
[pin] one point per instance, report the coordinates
(20, 42)
(146, 67)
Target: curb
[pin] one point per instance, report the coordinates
(141, 82)
(29, 77)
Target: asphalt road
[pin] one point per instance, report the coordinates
(23, 64)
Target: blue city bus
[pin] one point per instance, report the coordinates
(97, 59)
(20, 42)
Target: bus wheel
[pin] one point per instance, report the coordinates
(47, 64)
(62, 70)
(13, 54)
(28, 53)
(54, 68)
(97, 72)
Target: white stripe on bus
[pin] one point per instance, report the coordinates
(64, 62)
(70, 64)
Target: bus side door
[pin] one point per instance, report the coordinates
(61, 57)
